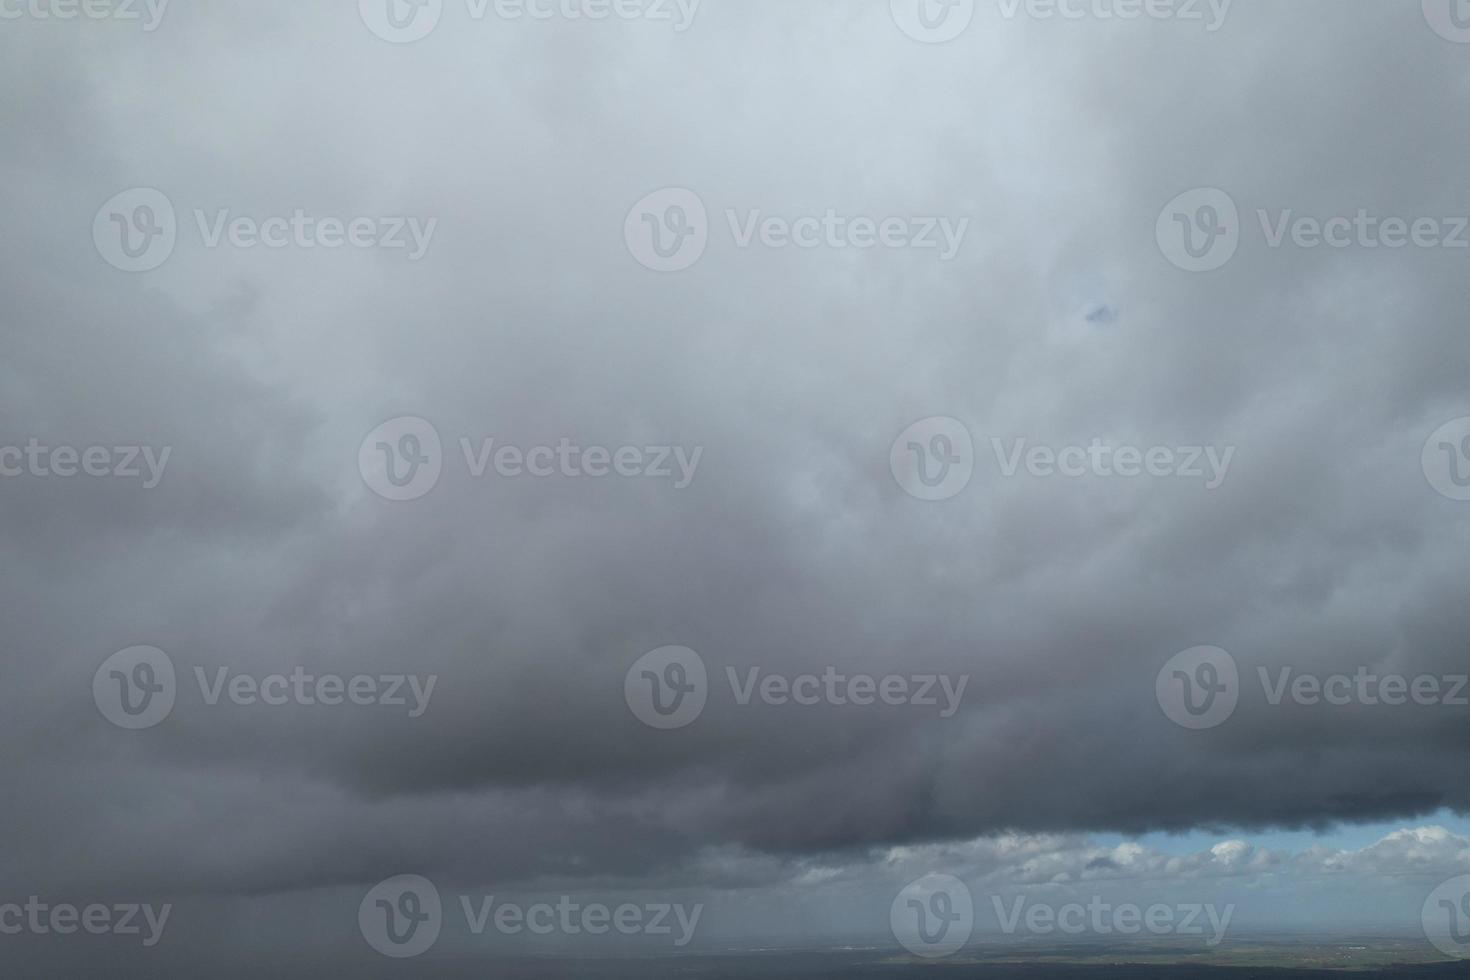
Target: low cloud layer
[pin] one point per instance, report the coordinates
(1331, 542)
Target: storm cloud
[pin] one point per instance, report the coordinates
(529, 318)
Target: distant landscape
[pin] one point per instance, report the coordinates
(1273, 959)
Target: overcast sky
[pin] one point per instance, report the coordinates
(566, 236)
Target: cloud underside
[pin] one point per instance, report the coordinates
(793, 550)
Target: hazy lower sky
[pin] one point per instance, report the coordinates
(753, 455)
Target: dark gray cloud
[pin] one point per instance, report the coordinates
(793, 550)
